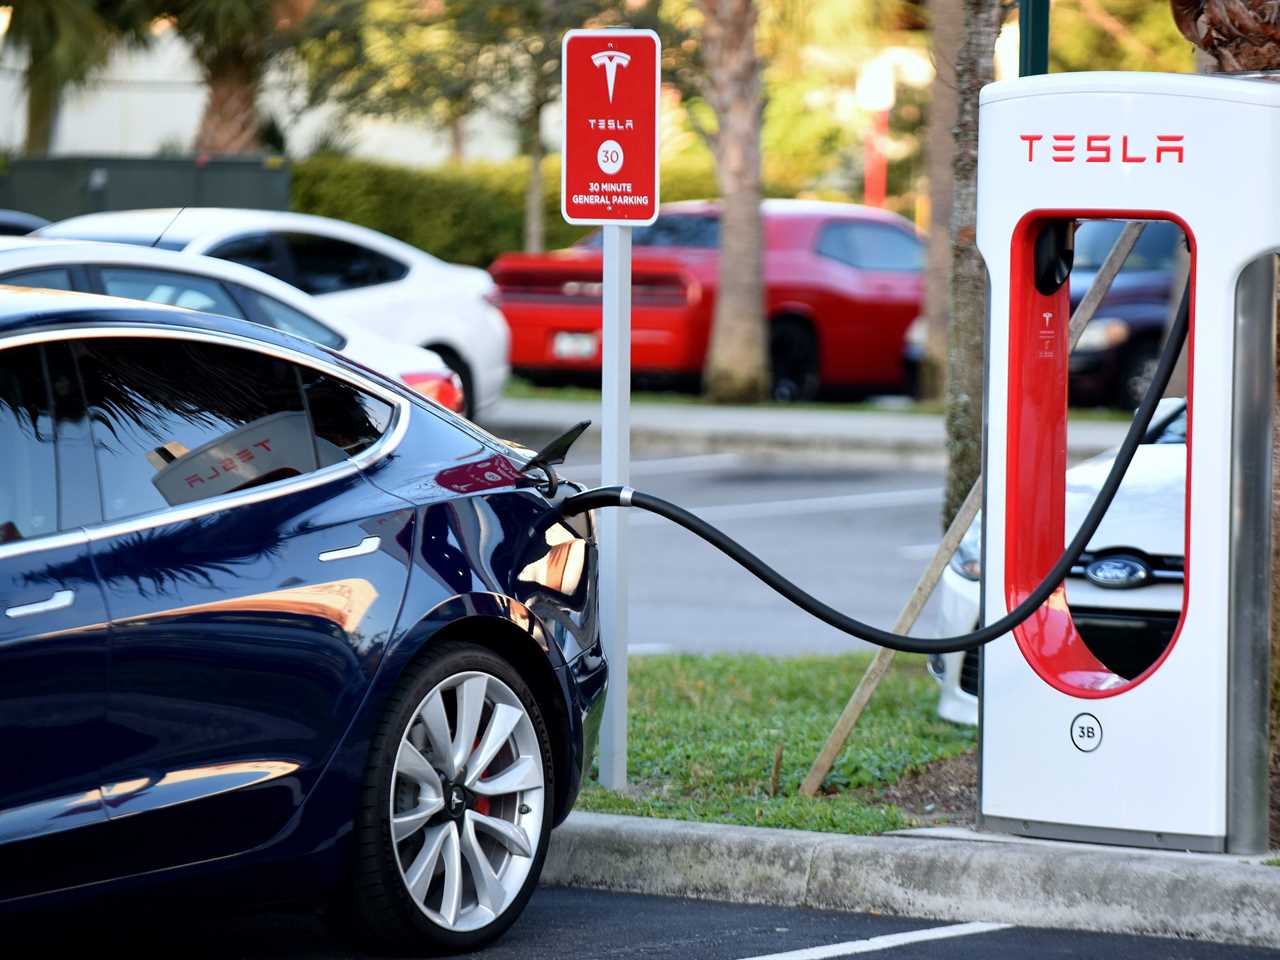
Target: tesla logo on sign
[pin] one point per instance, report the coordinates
(1105, 148)
(611, 60)
(611, 82)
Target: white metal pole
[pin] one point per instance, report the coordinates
(615, 468)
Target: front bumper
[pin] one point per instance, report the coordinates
(1108, 617)
(585, 683)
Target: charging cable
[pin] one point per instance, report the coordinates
(627, 497)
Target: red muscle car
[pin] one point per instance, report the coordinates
(842, 284)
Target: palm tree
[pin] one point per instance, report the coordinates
(65, 41)
(1245, 35)
(1238, 34)
(737, 362)
(233, 41)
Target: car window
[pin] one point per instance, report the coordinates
(328, 265)
(170, 287)
(343, 415)
(47, 278)
(1175, 431)
(283, 317)
(176, 421)
(28, 482)
(1155, 249)
(871, 246)
(256, 251)
(672, 230)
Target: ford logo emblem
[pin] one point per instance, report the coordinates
(1118, 573)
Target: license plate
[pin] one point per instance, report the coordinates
(574, 346)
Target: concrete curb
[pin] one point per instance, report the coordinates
(1031, 884)
(902, 438)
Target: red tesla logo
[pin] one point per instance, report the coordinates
(1105, 148)
(228, 464)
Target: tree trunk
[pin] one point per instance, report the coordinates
(737, 369)
(44, 94)
(974, 68)
(535, 229)
(230, 122)
(947, 29)
(1275, 591)
(457, 140)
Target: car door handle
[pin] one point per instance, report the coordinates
(367, 545)
(59, 601)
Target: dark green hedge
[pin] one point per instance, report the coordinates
(463, 214)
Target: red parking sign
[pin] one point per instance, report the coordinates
(609, 155)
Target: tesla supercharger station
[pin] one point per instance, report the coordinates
(1177, 756)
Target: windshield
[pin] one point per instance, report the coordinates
(672, 230)
(1154, 250)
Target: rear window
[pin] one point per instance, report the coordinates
(1155, 250)
(673, 230)
(871, 246)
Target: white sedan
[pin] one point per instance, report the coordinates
(385, 286)
(1125, 593)
(221, 287)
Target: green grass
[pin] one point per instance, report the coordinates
(1271, 863)
(518, 389)
(703, 733)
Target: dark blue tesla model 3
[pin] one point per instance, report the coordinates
(270, 620)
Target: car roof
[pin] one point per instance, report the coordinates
(26, 310)
(38, 251)
(784, 207)
(21, 218)
(176, 227)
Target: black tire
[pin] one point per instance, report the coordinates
(376, 908)
(1136, 373)
(793, 360)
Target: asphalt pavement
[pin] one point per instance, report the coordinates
(587, 925)
(855, 535)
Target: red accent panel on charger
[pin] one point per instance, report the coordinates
(1036, 465)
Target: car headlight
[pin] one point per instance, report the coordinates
(1103, 334)
(967, 560)
(917, 333)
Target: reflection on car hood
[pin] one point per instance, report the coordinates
(1148, 512)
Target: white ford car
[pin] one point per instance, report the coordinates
(221, 287)
(1125, 593)
(374, 281)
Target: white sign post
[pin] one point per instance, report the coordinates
(609, 176)
(615, 468)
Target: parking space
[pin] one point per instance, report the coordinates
(592, 925)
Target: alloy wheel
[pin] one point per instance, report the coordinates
(467, 801)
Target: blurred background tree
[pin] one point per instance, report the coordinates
(65, 41)
(234, 41)
(1116, 35)
(444, 60)
(391, 58)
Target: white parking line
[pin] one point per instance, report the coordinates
(791, 508)
(649, 649)
(886, 942)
